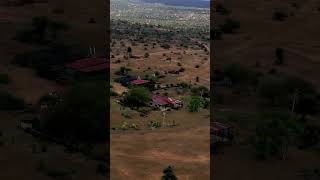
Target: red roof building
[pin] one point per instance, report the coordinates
(89, 65)
(139, 82)
(162, 101)
(165, 101)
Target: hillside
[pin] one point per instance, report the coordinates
(23, 155)
(261, 28)
(259, 35)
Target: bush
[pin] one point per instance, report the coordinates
(126, 113)
(169, 174)
(42, 30)
(43, 60)
(239, 74)
(137, 97)
(146, 55)
(4, 78)
(221, 9)
(279, 16)
(10, 102)
(144, 111)
(195, 104)
(273, 134)
(200, 91)
(122, 71)
(280, 91)
(82, 114)
(165, 46)
(230, 26)
(154, 124)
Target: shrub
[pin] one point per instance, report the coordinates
(279, 16)
(239, 74)
(169, 174)
(146, 55)
(137, 97)
(73, 118)
(4, 78)
(122, 71)
(272, 135)
(154, 124)
(126, 113)
(230, 26)
(10, 102)
(195, 104)
(181, 69)
(165, 46)
(144, 111)
(200, 91)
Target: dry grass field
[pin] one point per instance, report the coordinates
(22, 156)
(144, 153)
(255, 43)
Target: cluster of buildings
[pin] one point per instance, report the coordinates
(157, 101)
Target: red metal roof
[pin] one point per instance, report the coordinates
(95, 68)
(139, 81)
(160, 100)
(89, 64)
(163, 100)
(216, 126)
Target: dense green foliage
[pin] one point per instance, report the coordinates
(137, 97)
(195, 104)
(82, 114)
(274, 133)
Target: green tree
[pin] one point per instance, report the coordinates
(82, 113)
(195, 104)
(137, 97)
(274, 132)
(168, 174)
(230, 26)
(240, 74)
(272, 89)
(146, 55)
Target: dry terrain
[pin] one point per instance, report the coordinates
(144, 153)
(22, 155)
(255, 43)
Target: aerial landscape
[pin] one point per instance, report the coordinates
(52, 53)
(160, 90)
(266, 90)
